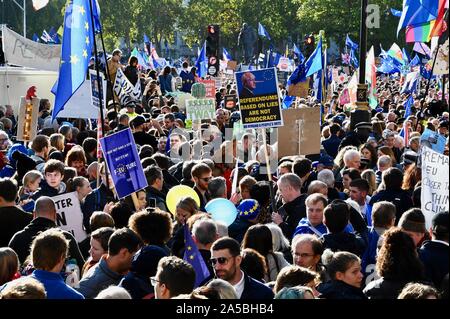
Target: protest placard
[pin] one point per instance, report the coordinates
(230, 101)
(299, 135)
(119, 150)
(27, 119)
(69, 216)
(300, 89)
(200, 109)
(433, 140)
(210, 86)
(283, 64)
(435, 180)
(259, 100)
(95, 91)
(232, 65)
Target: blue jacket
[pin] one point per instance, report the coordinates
(98, 278)
(254, 289)
(434, 256)
(55, 286)
(304, 227)
(165, 83)
(331, 145)
(370, 254)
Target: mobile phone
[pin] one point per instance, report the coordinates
(151, 203)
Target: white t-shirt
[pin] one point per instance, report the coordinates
(239, 287)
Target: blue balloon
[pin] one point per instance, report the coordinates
(223, 210)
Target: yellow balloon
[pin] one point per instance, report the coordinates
(178, 192)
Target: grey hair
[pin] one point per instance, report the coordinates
(279, 241)
(349, 155)
(217, 187)
(205, 231)
(327, 177)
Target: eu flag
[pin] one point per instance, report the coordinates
(193, 257)
(314, 62)
(262, 31)
(202, 62)
(76, 51)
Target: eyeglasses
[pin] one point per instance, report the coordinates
(205, 179)
(153, 281)
(220, 260)
(303, 255)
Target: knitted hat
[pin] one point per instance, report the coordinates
(413, 220)
(440, 222)
(15, 147)
(248, 209)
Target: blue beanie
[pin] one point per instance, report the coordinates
(248, 209)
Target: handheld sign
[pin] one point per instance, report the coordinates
(200, 109)
(95, 90)
(435, 184)
(210, 86)
(230, 101)
(69, 216)
(119, 150)
(259, 99)
(27, 120)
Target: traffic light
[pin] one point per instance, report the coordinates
(213, 49)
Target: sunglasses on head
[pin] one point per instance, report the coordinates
(220, 260)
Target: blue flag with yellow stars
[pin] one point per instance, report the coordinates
(76, 51)
(193, 257)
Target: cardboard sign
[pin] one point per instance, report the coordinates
(301, 89)
(259, 99)
(435, 180)
(124, 164)
(232, 65)
(69, 216)
(433, 140)
(126, 91)
(210, 86)
(95, 90)
(27, 119)
(230, 101)
(300, 134)
(200, 109)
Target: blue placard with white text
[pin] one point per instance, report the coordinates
(119, 150)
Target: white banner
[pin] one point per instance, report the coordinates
(69, 216)
(126, 91)
(22, 51)
(80, 104)
(434, 197)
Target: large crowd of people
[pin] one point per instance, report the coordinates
(346, 224)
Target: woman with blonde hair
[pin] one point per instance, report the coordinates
(370, 177)
(57, 141)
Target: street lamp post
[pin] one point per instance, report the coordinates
(24, 9)
(362, 113)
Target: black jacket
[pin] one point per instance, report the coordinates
(238, 228)
(158, 197)
(96, 200)
(46, 190)
(384, 289)
(337, 289)
(344, 242)
(202, 201)
(21, 241)
(142, 138)
(400, 199)
(292, 212)
(12, 220)
(254, 289)
(434, 256)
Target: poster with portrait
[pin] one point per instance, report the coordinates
(259, 100)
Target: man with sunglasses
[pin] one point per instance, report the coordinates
(202, 174)
(226, 260)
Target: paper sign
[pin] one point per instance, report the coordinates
(95, 91)
(200, 109)
(435, 180)
(69, 216)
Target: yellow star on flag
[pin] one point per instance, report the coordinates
(81, 10)
(189, 248)
(86, 25)
(87, 40)
(74, 59)
(85, 55)
(191, 257)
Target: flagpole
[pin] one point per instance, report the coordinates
(100, 96)
(431, 74)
